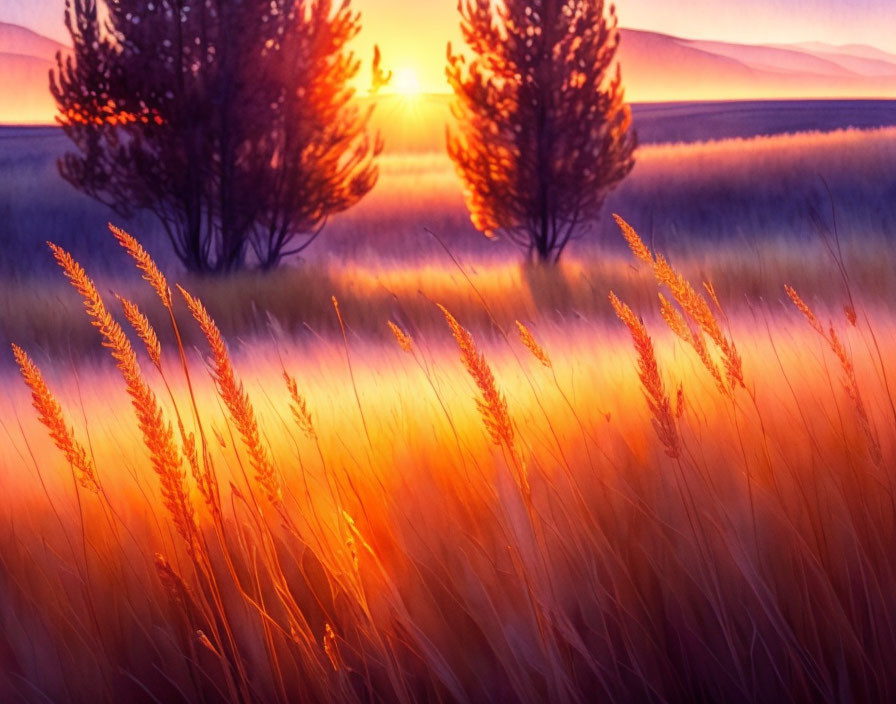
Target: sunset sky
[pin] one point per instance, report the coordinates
(413, 33)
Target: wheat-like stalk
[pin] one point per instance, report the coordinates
(144, 329)
(531, 344)
(850, 380)
(204, 475)
(157, 432)
(690, 301)
(50, 414)
(236, 399)
(678, 325)
(649, 373)
(204, 479)
(807, 312)
(401, 337)
(492, 404)
(699, 311)
(145, 264)
(635, 243)
(299, 408)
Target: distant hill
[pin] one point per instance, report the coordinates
(25, 62)
(19, 40)
(655, 67)
(658, 67)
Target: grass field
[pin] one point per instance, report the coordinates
(450, 477)
(398, 527)
(743, 213)
(705, 173)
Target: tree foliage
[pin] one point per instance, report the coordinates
(543, 132)
(233, 121)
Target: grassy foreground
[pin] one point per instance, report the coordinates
(541, 512)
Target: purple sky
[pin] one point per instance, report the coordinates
(413, 33)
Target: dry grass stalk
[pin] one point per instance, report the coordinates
(491, 404)
(690, 301)
(674, 319)
(635, 243)
(807, 312)
(145, 264)
(203, 479)
(236, 399)
(401, 337)
(50, 414)
(678, 325)
(850, 381)
(157, 432)
(205, 476)
(299, 408)
(144, 330)
(528, 339)
(649, 373)
(331, 648)
(699, 311)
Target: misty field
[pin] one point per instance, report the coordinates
(447, 476)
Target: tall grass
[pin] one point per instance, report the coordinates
(455, 513)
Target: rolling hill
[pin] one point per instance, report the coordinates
(25, 62)
(658, 68)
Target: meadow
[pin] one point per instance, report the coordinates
(721, 172)
(450, 477)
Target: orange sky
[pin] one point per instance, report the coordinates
(413, 33)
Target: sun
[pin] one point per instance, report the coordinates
(406, 82)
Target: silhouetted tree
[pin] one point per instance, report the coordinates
(543, 130)
(231, 120)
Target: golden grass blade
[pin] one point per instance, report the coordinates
(145, 264)
(693, 304)
(850, 380)
(678, 325)
(699, 311)
(649, 373)
(144, 329)
(299, 408)
(807, 312)
(50, 414)
(157, 432)
(532, 345)
(401, 337)
(635, 243)
(204, 475)
(492, 404)
(236, 399)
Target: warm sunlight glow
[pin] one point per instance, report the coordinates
(407, 83)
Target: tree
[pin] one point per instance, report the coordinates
(233, 121)
(543, 132)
